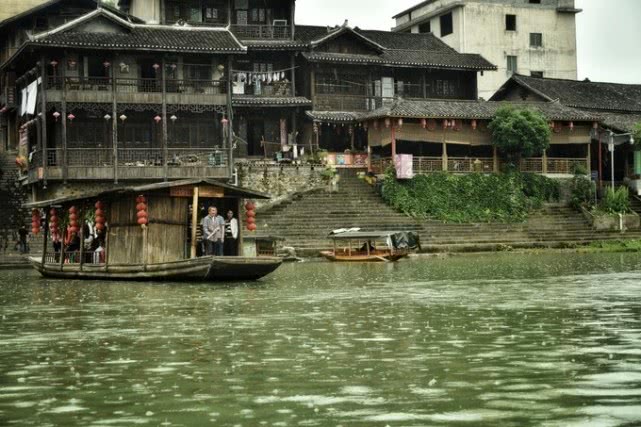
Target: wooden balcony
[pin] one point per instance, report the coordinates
(139, 91)
(337, 102)
(88, 164)
(262, 32)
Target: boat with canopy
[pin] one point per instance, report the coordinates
(372, 246)
(149, 232)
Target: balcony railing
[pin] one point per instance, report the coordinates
(258, 32)
(554, 166)
(470, 164)
(275, 89)
(425, 165)
(104, 84)
(348, 102)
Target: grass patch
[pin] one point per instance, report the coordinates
(470, 198)
(631, 246)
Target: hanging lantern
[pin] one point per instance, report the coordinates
(54, 63)
(571, 126)
(35, 221)
(73, 223)
(315, 127)
(71, 117)
(157, 119)
(388, 122)
(365, 126)
(173, 118)
(350, 130)
(424, 123)
(106, 64)
(595, 125)
(4, 110)
(400, 123)
(558, 127)
(56, 115)
(123, 117)
(475, 124)
(375, 124)
(250, 216)
(224, 121)
(100, 216)
(156, 67)
(446, 124)
(141, 208)
(453, 124)
(107, 117)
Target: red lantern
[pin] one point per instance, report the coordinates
(99, 205)
(250, 206)
(142, 214)
(73, 210)
(143, 221)
(141, 199)
(141, 207)
(252, 227)
(474, 124)
(571, 125)
(446, 124)
(250, 214)
(388, 122)
(424, 123)
(250, 220)
(157, 119)
(100, 226)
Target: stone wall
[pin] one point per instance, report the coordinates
(279, 181)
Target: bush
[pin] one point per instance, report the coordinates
(519, 133)
(583, 192)
(470, 198)
(615, 202)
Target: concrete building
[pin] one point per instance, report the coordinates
(528, 37)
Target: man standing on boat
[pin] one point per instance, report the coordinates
(214, 232)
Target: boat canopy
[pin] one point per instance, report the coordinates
(230, 191)
(395, 239)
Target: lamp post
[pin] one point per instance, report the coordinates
(612, 145)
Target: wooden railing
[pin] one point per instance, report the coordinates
(379, 166)
(348, 102)
(553, 165)
(149, 85)
(470, 164)
(425, 165)
(258, 32)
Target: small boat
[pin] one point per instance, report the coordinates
(381, 246)
(148, 233)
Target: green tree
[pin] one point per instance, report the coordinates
(636, 132)
(520, 133)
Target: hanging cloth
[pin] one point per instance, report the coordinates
(32, 97)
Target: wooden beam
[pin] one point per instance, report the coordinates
(165, 137)
(194, 223)
(43, 109)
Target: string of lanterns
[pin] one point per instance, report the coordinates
(250, 216)
(141, 208)
(53, 225)
(35, 221)
(100, 216)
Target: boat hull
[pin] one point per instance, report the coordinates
(204, 269)
(363, 258)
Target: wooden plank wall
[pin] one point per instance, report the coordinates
(166, 232)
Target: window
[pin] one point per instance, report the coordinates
(510, 22)
(425, 27)
(447, 25)
(536, 40)
(537, 74)
(512, 64)
(535, 1)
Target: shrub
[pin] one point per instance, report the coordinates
(519, 133)
(615, 201)
(582, 192)
(469, 198)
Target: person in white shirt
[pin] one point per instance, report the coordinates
(231, 235)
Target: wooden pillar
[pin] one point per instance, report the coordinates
(369, 158)
(293, 19)
(241, 234)
(445, 159)
(352, 137)
(589, 159)
(45, 238)
(43, 110)
(545, 161)
(293, 71)
(194, 223)
(82, 244)
(165, 142)
(108, 229)
(424, 84)
(393, 136)
(495, 159)
(63, 115)
(62, 247)
(114, 130)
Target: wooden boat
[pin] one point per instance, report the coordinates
(148, 233)
(357, 246)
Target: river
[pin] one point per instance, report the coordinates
(500, 340)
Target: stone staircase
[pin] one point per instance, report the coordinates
(12, 214)
(305, 221)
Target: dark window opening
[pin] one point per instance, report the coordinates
(512, 64)
(536, 40)
(537, 74)
(425, 27)
(535, 1)
(510, 22)
(447, 24)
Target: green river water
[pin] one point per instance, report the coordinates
(501, 340)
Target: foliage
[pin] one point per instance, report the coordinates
(579, 170)
(519, 133)
(636, 132)
(582, 192)
(469, 198)
(615, 202)
(614, 246)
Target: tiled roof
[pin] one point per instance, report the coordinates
(583, 94)
(148, 38)
(400, 49)
(269, 101)
(445, 109)
(414, 58)
(334, 116)
(620, 122)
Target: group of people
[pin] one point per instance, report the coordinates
(220, 235)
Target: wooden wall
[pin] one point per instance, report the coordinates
(165, 235)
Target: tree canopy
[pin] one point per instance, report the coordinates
(636, 132)
(520, 132)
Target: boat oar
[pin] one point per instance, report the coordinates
(381, 258)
